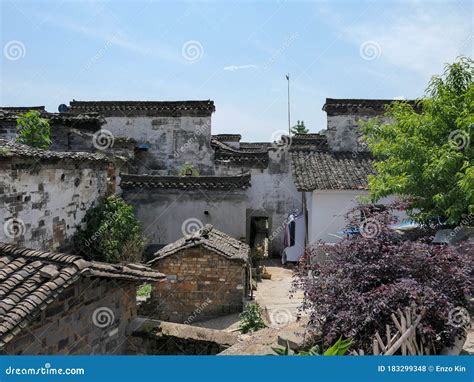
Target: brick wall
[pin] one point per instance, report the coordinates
(92, 316)
(42, 203)
(200, 285)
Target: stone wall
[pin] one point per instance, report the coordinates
(92, 316)
(43, 202)
(165, 338)
(200, 285)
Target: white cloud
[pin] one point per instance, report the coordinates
(419, 36)
(233, 68)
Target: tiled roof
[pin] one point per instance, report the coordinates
(126, 107)
(11, 149)
(308, 142)
(21, 109)
(210, 238)
(30, 280)
(252, 157)
(227, 137)
(210, 182)
(12, 114)
(324, 170)
(342, 105)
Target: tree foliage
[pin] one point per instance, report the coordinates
(426, 151)
(33, 130)
(369, 276)
(299, 128)
(188, 170)
(112, 233)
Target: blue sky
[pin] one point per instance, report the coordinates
(235, 53)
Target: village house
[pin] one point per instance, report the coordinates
(53, 303)
(207, 275)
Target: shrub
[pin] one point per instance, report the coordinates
(251, 319)
(33, 130)
(112, 233)
(369, 276)
(340, 347)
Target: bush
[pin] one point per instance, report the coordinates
(33, 130)
(369, 276)
(112, 233)
(251, 319)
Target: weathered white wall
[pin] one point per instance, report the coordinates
(173, 142)
(163, 213)
(273, 194)
(47, 201)
(343, 131)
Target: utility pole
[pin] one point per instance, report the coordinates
(289, 123)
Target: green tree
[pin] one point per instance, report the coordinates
(426, 152)
(188, 170)
(112, 233)
(299, 128)
(33, 130)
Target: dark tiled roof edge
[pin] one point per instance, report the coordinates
(10, 150)
(69, 118)
(336, 105)
(209, 182)
(211, 239)
(206, 106)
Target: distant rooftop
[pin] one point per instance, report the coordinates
(344, 105)
(150, 108)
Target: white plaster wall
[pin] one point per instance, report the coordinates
(173, 141)
(273, 192)
(162, 214)
(327, 211)
(326, 215)
(47, 203)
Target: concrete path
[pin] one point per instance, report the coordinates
(274, 295)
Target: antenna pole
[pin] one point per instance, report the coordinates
(289, 123)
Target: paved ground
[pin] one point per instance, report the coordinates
(273, 296)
